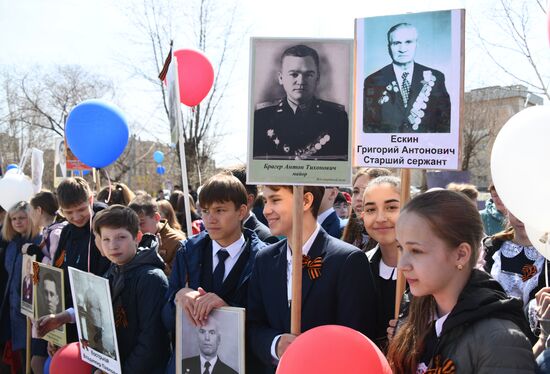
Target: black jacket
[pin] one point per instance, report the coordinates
(252, 223)
(138, 291)
(485, 332)
(72, 250)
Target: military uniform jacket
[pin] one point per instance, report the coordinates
(428, 107)
(317, 133)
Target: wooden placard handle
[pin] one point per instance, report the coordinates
(405, 196)
(297, 223)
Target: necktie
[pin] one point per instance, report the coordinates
(207, 364)
(219, 272)
(405, 87)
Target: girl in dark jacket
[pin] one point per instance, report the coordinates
(460, 320)
(18, 230)
(381, 206)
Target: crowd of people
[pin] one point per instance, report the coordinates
(476, 298)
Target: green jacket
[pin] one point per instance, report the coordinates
(493, 220)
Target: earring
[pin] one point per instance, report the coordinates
(460, 267)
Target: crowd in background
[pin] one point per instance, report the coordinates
(476, 298)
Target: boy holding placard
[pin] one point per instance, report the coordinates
(337, 284)
(138, 289)
(213, 267)
(76, 248)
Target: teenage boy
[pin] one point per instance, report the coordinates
(138, 288)
(341, 293)
(150, 222)
(250, 221)
(212, 268)
(77, 247)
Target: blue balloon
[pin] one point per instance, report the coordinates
(47, 365)
(11, 166)
(158, 156)
(160, 169)
(97, 132)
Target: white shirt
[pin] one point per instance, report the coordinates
(234, 249)
(323, 216)
(386, 272)
(212, 363)
(305, 250)
(398, 70)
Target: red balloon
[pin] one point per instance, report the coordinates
(196, 76)
(67, 360)
(333, 349)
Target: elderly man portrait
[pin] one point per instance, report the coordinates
(405, 96)
(300, 126)
(208, 361)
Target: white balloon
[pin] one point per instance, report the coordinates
(540, 240)
(520, 162)
(12, 171)
(13, 189)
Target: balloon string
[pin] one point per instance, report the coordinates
(109, 184)
(546, 272)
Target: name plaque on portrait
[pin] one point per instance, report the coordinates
(95, 321)
(300, 107)
(218, 344)
(409, 88)
(49, 291)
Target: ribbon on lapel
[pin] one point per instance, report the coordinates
(313, 266)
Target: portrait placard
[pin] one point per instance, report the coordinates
(27, 294)
(48, 295)
(218, 345)
(409, 83)
(300, 106)
(95, 320)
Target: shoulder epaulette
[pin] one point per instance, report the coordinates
(267, 104)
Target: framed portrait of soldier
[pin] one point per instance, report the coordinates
(48, 293)
(95, 320)
(409, 83)
(27, 292)
(217, 347)
(300, 107)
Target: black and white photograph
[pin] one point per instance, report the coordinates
(60, 168)
(409, 78)
(217, 347)
(49, 298)
(27, 299)
(95, 320)
(300, 106)
(302, 103)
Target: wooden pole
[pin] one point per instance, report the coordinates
(297, 223)
(405, 196)
(28, 351)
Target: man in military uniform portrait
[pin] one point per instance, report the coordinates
(300, 126)
(404, 96)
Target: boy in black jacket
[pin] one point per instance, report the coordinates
(76, 248)
(138, 289)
